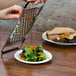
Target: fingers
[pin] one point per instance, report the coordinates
(11, 13)
(45, 0)
(12, 16)
(16, 9)
(36, 1)
(19, 8)
(31, 0)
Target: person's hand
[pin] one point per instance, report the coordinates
(11, 12)
(36, 1)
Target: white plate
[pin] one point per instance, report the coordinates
(48, 55)
(58, 43)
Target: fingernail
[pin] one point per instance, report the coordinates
(36, 3)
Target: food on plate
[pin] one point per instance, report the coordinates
(33, 54)
(62, 34)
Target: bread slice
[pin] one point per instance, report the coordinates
(59, 30)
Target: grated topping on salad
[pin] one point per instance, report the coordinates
(33, 54)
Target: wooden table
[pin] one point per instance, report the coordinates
(62, 64)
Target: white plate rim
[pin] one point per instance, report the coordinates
(17, 57)
(51, 41)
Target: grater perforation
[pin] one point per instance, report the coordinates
(23, 26)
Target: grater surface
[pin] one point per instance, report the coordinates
(24, 24)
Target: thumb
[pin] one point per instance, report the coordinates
(12, 16)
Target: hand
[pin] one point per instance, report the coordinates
(11, 12)
(36, 1)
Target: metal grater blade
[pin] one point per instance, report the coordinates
(24, 24)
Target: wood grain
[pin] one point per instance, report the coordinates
(62, 64)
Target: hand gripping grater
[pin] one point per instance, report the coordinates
(23, 25)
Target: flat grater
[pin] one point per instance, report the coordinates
(23, 26)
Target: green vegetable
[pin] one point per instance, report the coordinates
(33, 53)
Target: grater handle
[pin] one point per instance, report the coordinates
(26, 4)
(6, 51)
